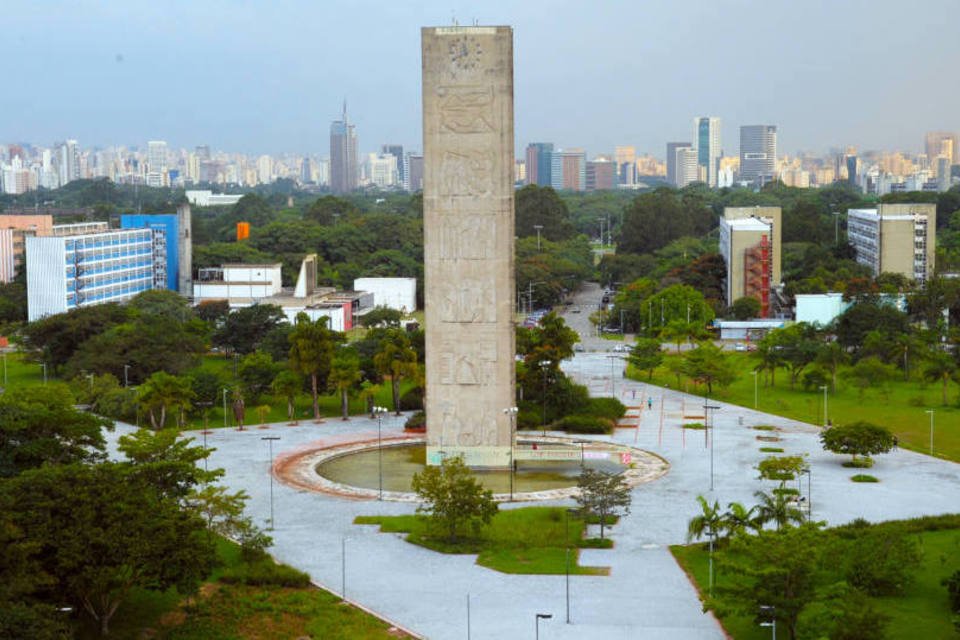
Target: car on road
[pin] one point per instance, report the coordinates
(576, 310)
(620, 348)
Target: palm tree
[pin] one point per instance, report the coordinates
(397, 359)
(775, 508)
(344, 375)
(161, 392)
(940, 367)
(709, 522)
(830, 356)
(287, 384)
(738, 519)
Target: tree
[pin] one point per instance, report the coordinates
(745, 308)
(602, 494)
(453, 499)
(831, 356)
(344, 376)
(646, 355)
(843, 613)
(311, 351)
(170, 463)
(397, 359)
(707, 364)
(737, 519)
(381, 316)
(940, 368)
(288, 384)
(708, 522)
(679, 302)
(781, 468)
(542, 206)
(161, 392)
(655, 218)
(103, 531)
(244, 330)
(256, 371)
(213, 312)
(776, 508)
(798, 347)
(38, 426)
(878, 560)
(857, 439)
(867, 373)
(329, 210)
(56, 338)
(773, 569)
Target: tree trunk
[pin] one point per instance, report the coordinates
(395, 387)
(313, 393)
(344, 405)
(291, 410)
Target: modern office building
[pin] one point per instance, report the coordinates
(68, 162)
(750, 246)
(758, 153)
(413, 172)
(568, 170)
(395, 150)
(84, 268)
(672, 148)
(685, 163)
(626, 159)
(344, 170)
(168, 226)
(157, 164)
(895, 238)
(706, 137)
(13, 231)
(601, 174)
(539, 163)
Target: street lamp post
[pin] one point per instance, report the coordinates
(809, 474)
(930, 411)
(613, 380)
(566, 545)
(541, 616)
(771, 611)
(225, 390)
(538, 227)
(545, 365)
(379, 411)
(756, 397)
(512, 414)
(707, 428)
(711, 534)
(126, 376)
(270, 440)
(823, 388)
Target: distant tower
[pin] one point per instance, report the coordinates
(185, 242)
(673, 176)
(706, 139)
(758, 153)
(343, 155)
(395, 150)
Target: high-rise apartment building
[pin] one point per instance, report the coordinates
(750, 246)
(672, 161)
(157, 163)
(264, 169)
(539, 163)
(69, 162)
(895, 238)
(344, 170)
(568, 170)
(942, 143)
(758, 153)
(14, 229)
(685, 163)
(706, 139)
(380, 170)
(413, 172)
(395, 150)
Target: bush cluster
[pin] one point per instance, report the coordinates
(266, 573)
(584, 424)
(412, 400)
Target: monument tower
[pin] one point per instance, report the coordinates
(468, 221)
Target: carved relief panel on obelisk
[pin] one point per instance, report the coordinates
(468, 243)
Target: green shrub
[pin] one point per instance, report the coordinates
(862, 477)
(879, 560)
(529, 418)
(862, 462)
(953, 590)
(595, 543)
(412, 400)
(584, 424)
(786, 491)
(416, 421)
(764, 427)
(695, 425)
(771, 450)
(266, 573)
(917, 401)
(609, 521)
(609, 408)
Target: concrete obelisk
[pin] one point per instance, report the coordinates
(468, 242)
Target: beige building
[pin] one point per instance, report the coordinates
(895, 238)
(13, 230)
(750, 246)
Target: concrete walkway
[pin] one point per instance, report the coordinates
(646, 594)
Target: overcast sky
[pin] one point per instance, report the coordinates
(268, 77)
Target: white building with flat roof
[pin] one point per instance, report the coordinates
(395, 293)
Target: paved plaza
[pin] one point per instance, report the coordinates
(646, 594)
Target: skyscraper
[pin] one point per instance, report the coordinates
(706, 139)
(672, 160)
(156, 163)
(395, 150)
(758, 153)
(343, 155)
(568, 170)
(539, 163)
(413, 172)
(69, 162)
(686, 166)
(626, 158)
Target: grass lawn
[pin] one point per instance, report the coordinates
(921, 612)
(901, 406)
(529, 540)
(20, 372)
(236, 611)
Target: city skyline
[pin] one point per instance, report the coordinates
(189, 58)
